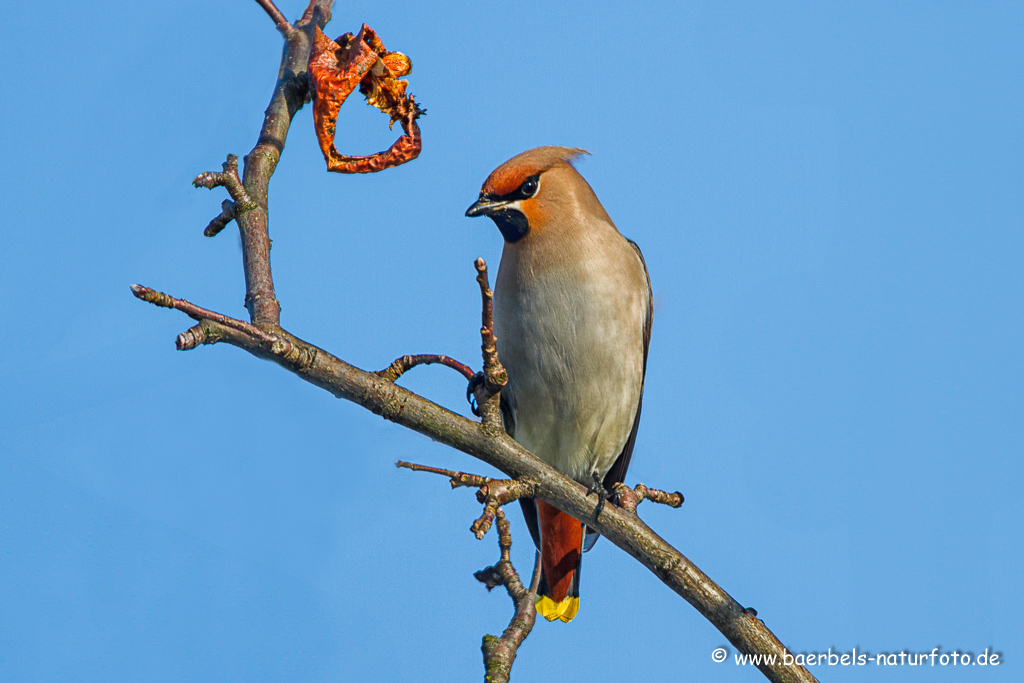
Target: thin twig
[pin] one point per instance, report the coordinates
(283, 25)
(402, 365)
(457, 478)
(500, 653)
(229, 180)
(199, 313)
(227, 214)
(193, 337)
(493, 493)
(630, 498)
(309, 15)
(494, 375)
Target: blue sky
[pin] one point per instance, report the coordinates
(830, 201)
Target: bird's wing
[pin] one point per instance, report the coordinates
(508, 417)
(618, 471)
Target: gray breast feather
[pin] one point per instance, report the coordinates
(574, 354)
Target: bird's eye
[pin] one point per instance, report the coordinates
(529, 187)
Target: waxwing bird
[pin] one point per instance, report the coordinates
(572, 315)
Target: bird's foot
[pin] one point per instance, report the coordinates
(602, 494)
(474, 384)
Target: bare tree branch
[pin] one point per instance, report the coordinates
(457, 478)
(263, 337)
(283, 25)
(499, 652)
(289, 95)
(493, 493)
(198, 313)
(229, 180)
(629, 498)
(227, 214)
(494, 378)
(623, 528)
(402, 365)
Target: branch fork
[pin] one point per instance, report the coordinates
(492, 493)
(201, 314)
(629, 498)
(499, 652)
(239, 204)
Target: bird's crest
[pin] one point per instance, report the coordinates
(511, 174)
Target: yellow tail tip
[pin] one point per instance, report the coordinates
(563, 611)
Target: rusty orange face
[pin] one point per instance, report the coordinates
(512, 196)
(509, 210)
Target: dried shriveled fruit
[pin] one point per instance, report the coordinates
(336, 67)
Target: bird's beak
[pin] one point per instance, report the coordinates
(485, 207)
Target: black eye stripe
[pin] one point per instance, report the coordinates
(524, 191)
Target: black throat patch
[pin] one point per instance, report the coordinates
(512, 224)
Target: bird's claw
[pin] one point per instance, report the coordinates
(615, 497)
(602, 494)
(474, 384)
